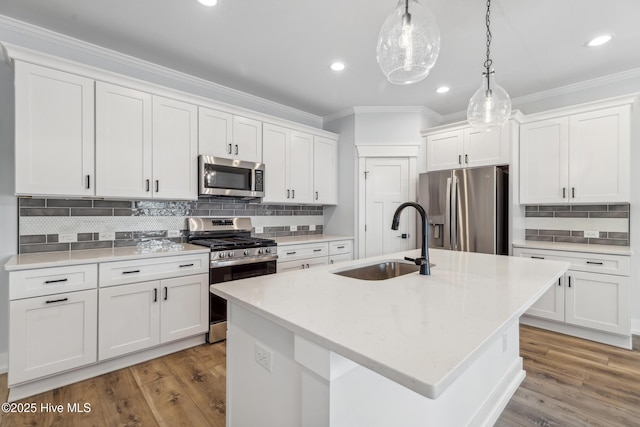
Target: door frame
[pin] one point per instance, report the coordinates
(380, 151)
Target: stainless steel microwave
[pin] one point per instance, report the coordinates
(226, 177)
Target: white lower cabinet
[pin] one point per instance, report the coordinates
(141, 315)
(593, 293)
(306, 255)
(51, 334)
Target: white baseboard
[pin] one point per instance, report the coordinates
(635, 326)
(4, 363)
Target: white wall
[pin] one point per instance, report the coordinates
(8, 209)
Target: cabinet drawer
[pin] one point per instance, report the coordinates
(54, 280)
(303, 251)
(582, 261)
(122, 272)
(340, 247)
(301, 264)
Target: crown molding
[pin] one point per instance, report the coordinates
(195, 84)
(383, 109)
(388, 150)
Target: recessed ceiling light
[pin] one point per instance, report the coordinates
(337, 66)
(600, 40)
(443, 89)
(208, 3)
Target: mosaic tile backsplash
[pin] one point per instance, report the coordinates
(44, 224)
(567, 223)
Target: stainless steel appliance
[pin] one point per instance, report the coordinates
(226, 177)
(235, 254)
(467, 209)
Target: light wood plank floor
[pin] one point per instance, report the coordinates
(570, 382)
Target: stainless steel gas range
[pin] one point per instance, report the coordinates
(235, 254)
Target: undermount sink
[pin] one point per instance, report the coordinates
(381, 270)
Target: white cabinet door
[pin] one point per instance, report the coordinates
(175, 149)
(276, 158)
(551, 303)
(54, 132)
(185, 307)
(599, 164)
(598, 301)
(482, 148)
(51, 334)
(215, 130)
(129, 318)
(544, 162)
(337, 259)
(444, 150)
(123, 142)
(301, 167)
(325, 171)
(247, 139)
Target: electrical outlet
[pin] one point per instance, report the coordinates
(67, 237)
(173, 233)
(312, 227)
(107, 235)
(591, 233)
(264, 357)
(259, 230)
(293, 228)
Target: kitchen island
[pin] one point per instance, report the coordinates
(313, 348)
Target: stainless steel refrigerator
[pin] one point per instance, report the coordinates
(467, 209)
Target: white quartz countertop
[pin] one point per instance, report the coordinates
(90, 256)
(312, 238)
(419, 331)
(575, 247)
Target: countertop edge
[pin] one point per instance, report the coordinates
(92, 256)
(575, 247)
(311, 238)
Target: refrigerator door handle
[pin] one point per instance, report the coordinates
(454, 214)
(447, 217)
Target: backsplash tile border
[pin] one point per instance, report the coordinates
(578, 211)
(137, 220)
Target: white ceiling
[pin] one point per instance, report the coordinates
(281, 49)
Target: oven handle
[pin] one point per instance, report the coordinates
(265, 258)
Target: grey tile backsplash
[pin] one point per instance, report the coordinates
(568, 231)
(43, 221)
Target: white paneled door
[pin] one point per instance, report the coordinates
(386, 188)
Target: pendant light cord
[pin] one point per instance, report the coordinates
(488, 62)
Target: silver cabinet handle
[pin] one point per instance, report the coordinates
(307, 265)
(186, 265)
(131, 272)
(460, 159)
(229, 149)
(155, 294)
(564, 192)
(466, 158)
(236, 149)
(340, 247)
(537, 257)
(316, 195)
(166, 293)
(88, 181)
(573, 192)
(291, 253)
(595, 263)
(569, 281)
(288, 194)
(293, 194)
(148, 183)
(51, 301)
(157, 185)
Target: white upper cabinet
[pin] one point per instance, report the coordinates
(54, 133)
(288, 159)
(228, 136)
(215, 130)
(579, 158)
(145, 145)
(123, 142)
(462, 146)
(175, 149)
(325, 171)
(247, 139)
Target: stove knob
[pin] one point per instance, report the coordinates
(268, 250)
(221, 255)
(260, 251)
(246, 252)
(230, 254)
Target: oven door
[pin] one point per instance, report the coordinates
(218, 305)
(225, 177)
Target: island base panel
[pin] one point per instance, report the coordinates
(309, 385)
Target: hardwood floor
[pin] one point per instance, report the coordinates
(570, 382)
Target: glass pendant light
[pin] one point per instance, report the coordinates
(408, 43)
(490, 106)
